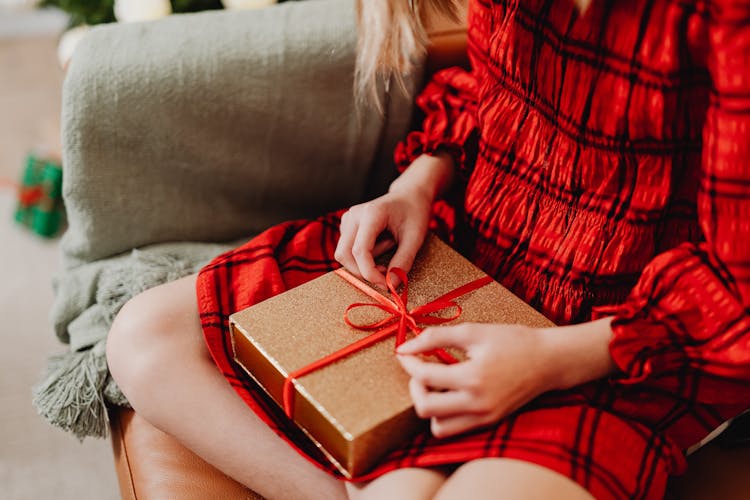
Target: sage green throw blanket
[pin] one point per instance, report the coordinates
(187, 133)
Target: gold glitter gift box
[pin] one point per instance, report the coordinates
(357, 409)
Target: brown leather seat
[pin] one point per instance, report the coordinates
(152, 465)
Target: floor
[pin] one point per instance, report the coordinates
(37, 461)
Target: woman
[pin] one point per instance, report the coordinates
(598, 164)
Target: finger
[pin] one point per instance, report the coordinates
(434, 375)
(437, 337)
(409, 242)
(428, 404)
(450, 426)
(369, 228)
(343, 252)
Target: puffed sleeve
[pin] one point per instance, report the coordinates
(449, 103)
(686, 324)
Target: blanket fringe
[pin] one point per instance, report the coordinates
(144, 270)
(77, 388)
(70, 396)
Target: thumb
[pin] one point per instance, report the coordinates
(435, 338)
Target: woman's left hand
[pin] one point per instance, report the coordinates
(506, 367)
(503, 371)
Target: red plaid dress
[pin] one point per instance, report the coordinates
(606, 171)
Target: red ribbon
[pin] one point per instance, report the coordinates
(27, 195)
(400, 321)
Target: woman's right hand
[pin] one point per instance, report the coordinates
(368, 230)
(399, 218)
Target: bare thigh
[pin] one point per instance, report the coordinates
(491, 478)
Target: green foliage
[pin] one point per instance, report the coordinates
(195, 5)
(84, 11)
(102, 11)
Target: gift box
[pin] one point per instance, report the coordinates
(335, 357)
(40, 204)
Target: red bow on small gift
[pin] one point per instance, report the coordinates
(400, 321)
(27, 195)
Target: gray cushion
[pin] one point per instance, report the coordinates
(213, 126)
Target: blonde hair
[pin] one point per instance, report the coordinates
(391, 37)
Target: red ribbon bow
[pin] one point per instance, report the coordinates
(27, 195)
(400, 321)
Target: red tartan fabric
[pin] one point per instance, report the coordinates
(606, 171)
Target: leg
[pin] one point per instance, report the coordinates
(406, 484)
(507, 478)
(157, 355)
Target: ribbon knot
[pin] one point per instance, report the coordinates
(401, 318)
(400, 321)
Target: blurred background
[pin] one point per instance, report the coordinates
(38, 461)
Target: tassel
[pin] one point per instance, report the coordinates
(77, 386)
(70, 396)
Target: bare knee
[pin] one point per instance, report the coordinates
(507, 478)
(408, 483)
(133, 343)
(150, 329)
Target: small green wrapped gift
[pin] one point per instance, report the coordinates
(40, 205)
